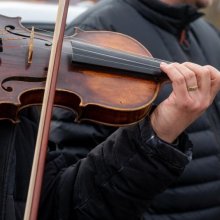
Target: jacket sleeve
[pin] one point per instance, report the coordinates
(118, 178)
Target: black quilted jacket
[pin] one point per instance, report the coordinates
(174, 34)
(91, 177)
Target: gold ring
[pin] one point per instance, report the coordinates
(192, 88)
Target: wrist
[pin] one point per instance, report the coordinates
(182, 144)
(167, 135)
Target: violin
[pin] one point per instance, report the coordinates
(104, 76)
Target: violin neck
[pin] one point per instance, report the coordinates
(136, 65)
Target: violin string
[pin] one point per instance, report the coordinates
(100, 59)
(74, 37)
(29, 28)
(18, 47)
(10, 65)
(46, 31)
(109, 56)
(41, 30)
(147, 68)
(148, 58)
(91, 57)
(131, 54)
(51, 32)
(11, 39)
(125, 64)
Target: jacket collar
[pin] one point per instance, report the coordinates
(172, 18)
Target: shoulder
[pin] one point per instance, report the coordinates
(102, 16)
(203, 25)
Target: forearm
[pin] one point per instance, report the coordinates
(120, 177)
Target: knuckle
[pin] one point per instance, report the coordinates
(213, 72)
(202, 105)
(195, 106)
(187, 63)
(189, 75)
(207, 70)
(176, 63)
(179, 79)
(187, 104)
(171, 67)
(210, 68)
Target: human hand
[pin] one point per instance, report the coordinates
(194, 89)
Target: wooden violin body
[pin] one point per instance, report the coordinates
(98, 93)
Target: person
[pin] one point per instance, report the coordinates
(174, 30)
(99, 172)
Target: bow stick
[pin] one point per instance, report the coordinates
(33, 198)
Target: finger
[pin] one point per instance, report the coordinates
(177, 79)
(215, 80)
(190, 78)
(203, 77)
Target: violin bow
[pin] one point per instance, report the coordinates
(34, 191)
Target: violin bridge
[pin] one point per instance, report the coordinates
(31, 46)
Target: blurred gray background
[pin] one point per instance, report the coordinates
(212, 13)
